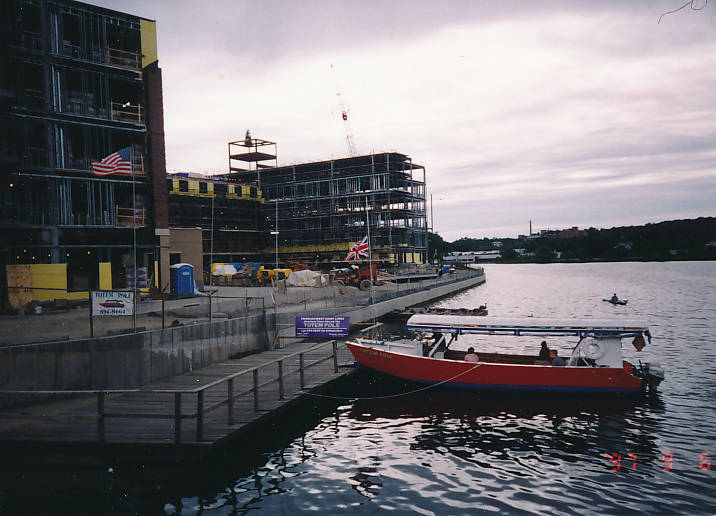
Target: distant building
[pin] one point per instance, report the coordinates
(226, 217)
(323, 207)
(464, 257)
(572, 232)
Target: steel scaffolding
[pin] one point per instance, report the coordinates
(325, 206)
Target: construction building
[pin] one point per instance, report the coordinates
(214, 221)
(77, 84)
(320, 209)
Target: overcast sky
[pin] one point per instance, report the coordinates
(570, 113)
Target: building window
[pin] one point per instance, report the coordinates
(174, 258)
(183, 186)
(220, 190)
(203, 188)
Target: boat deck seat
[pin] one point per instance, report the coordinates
(498, 358)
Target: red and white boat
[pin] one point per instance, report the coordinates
(595, 364)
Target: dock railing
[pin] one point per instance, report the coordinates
(282, 375)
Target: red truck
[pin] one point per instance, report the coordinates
(359, 277)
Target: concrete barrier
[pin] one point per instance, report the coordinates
(126, 361)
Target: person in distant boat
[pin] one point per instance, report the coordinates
(615, 299)
(471, 356)
(544, 352)
(556, 360)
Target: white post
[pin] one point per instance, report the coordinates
(134, 236)
(211, 245)
(370, 247)
(370, 253)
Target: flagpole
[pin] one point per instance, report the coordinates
(370, 250)
(134, 233)
(211, 246)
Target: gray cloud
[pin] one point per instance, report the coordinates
(569, 113)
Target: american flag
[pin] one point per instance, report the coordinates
(116, 163)
(360, 249)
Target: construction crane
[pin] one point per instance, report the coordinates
(346, 124)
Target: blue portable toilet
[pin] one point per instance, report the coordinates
(181, 280)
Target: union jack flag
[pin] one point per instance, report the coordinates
(116, 163)
(360, 249)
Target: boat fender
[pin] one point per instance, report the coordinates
(594, 349)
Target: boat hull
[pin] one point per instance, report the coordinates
(493, 376)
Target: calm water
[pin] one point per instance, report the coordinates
(440, 452)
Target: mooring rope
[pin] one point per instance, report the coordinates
(392, 395)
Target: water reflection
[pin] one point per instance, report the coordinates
(508, 425)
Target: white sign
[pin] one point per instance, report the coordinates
(108, 302)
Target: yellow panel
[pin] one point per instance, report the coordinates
(52, 275)
(148, 31)
(156, 273)
(49, 275)
(105, 276)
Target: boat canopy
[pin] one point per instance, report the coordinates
(525, 326)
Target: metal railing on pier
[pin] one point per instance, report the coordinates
(275, 380)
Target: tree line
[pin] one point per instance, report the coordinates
(687, 239)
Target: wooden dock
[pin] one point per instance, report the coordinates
(180, 419)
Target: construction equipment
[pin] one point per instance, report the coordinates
(296, 266)
(344, 116)
(266, 276)
(358, 277)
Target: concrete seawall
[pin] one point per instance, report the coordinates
(368, 312)
(132, 360)
(126, 361)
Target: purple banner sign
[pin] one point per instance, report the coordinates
(322, 327)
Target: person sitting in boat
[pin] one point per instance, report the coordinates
(556, 360)
(544, 352)
(614, 298)
(471, 356)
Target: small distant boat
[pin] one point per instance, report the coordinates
(595, 365)
(481, 310)
(616, 301)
